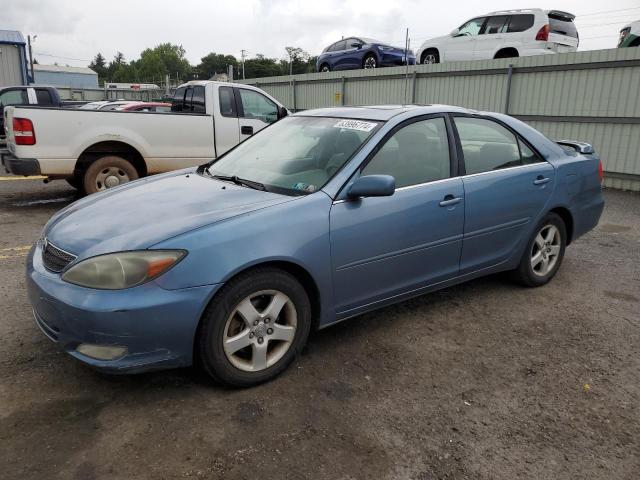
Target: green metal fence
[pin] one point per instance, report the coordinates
(591, 96)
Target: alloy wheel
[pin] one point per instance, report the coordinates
(260, 330)
(429, 59)
(370, 62)
(545, 250)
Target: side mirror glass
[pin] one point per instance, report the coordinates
(356, 45)
(372, 186)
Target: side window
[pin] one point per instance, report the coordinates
(197, 100)
(520, 23)
(497, 24)
(227, 102)
(14, 97)
(177, 105)
(339, 46)
(486, 145)
(258, 106)
(472, 27)
(528, 155)
(43, 96)
(415, 154)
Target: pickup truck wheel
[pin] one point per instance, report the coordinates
(254, 328)
(108, 172)
(544, 253)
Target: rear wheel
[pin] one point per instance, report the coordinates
(370, 62)
(108, 172)
(430, 56)
(254, 328)
(544, 253)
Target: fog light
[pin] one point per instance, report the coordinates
(102, 352)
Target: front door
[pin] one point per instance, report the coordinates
(462, 46)
(388, 246)
(507, 186)
(255, 111)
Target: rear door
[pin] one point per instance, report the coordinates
(351, 57)
(562, 33)
(506, 185)
(255, 111)
(492, 37)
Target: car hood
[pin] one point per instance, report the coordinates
(143, 213)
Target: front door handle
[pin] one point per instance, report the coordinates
(541, 180)
(246, 130)
(449, 200)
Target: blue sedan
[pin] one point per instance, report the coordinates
(354, 53)
(325, 215)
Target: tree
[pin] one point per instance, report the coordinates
(296, 62)
(261, 67)
(172, 58)
(214, 63)
(99, 65)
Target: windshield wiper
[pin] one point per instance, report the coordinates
(240, 181)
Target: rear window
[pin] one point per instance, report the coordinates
(43, 96)
(562, 26)
(189, 99)
(520, 23)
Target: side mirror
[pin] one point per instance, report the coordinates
(372, 186)
(356, 45)
(454, 32)
(282, 112)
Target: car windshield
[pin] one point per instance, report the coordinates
(295, 156)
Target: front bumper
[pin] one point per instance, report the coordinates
(156, 326)
(19, 166)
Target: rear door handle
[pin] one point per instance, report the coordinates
(541, 180)
(246, 130)
(449, 200)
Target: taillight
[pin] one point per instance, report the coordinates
(23, 131)
(600, 171)
(543, 33)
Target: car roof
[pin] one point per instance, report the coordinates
(379, 112)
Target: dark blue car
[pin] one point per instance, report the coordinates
(325, 215)
(353, 53)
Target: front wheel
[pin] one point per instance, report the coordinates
(430, 56)
(254, 328)
(370, 62)
(544, 253)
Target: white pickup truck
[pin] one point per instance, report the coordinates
(95, 150)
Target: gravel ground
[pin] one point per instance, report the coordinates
(482, 380)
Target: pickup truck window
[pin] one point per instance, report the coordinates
(43, 96)
(258, 106)
(14, 97)
(227, 102)
(189, 99)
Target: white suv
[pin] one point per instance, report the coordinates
(509, 33)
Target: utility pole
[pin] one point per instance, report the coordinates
(33, 78)
(243, 53)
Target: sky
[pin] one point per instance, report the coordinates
(71, 32)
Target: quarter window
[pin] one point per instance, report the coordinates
(43, 97)
(520, 23)
(487, 145)
(496, 24)
(415, 154)
(197, 100)
(227, 102)
(258, 106)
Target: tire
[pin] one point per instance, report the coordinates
(74, 182)
(324, 68)
(544, 253)
(108, 172)
(430, 56)
(238, 363)
(369, 61)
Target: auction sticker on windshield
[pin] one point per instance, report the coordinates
(356, 125)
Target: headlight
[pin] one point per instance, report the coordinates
(385, 49)
(116, 271)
